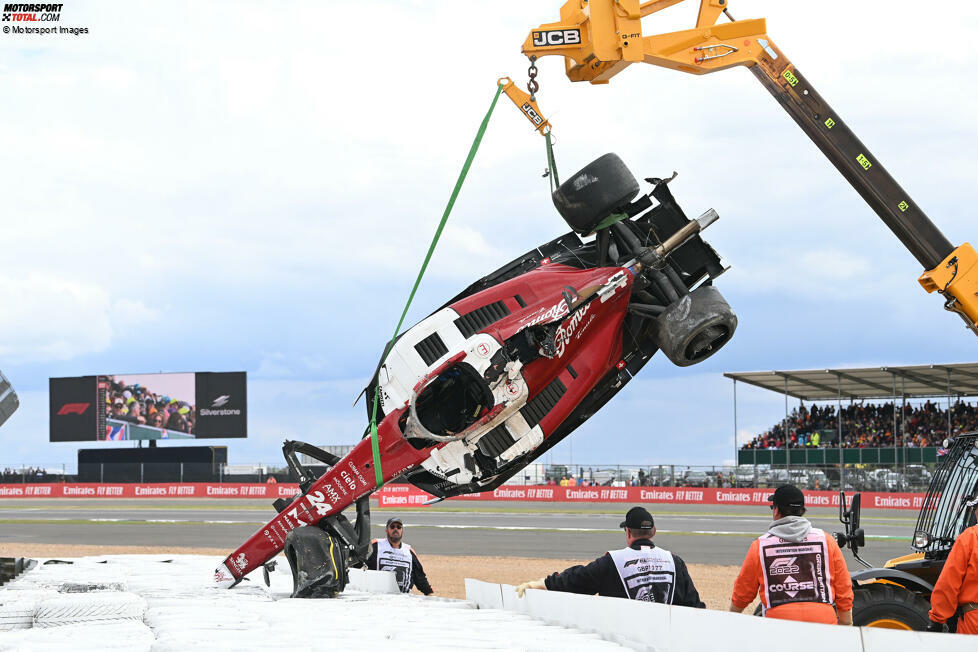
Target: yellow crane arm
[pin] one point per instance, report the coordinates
(600, 38)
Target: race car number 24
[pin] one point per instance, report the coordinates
(318, 502)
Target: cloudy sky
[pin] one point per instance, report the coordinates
(252, 186)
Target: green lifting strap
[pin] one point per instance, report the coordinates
(374, 444)
(554, 179)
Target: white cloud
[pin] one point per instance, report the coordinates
(745, 436)
(50, 318)
(46, 318)
(284, 366)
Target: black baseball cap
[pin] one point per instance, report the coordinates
(787, 495)
(638, 518)
(394, 519)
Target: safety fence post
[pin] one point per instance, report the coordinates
(181, 471)
(140, 471)
(101, 472)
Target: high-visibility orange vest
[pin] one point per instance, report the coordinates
(795, 572)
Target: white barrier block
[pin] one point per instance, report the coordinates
(876, 639)
(700, 630)
(484, 594)
(373, 581)
(513, 602)
(636, 625)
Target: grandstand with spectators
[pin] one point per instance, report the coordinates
(890, 416)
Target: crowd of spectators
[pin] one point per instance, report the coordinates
(869, 426)
(659, 476)
(571, 481)
(138, 404)
(29, 473)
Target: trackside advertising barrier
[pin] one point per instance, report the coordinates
(404, 495)
(407, 495)
(148, 490)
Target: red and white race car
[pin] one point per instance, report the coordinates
(505, 370)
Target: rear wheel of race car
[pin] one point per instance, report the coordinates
(695, 327)
(595, 192)
(889, 606)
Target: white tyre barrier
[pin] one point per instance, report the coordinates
(16, 615)
(91, 587)
(71, 609)
(81, 637)
(17, 607)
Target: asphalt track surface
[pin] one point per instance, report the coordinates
(707, 534)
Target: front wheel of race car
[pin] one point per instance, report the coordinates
(889, 606)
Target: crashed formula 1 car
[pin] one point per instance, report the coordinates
(509, 367)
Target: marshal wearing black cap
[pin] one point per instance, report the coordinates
(797, 570)
(638, 518)
(642, 571)
(392, 554)
(788, 496)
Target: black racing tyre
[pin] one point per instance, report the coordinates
(695, 327)
(594, 192)
(318, 561)
(889, 606)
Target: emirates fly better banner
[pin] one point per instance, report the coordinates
(403, 495)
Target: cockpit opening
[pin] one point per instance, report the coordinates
(454, 400)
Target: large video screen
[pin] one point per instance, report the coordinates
(121, 407)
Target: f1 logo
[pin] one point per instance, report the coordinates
(557, 37)
(73, 408)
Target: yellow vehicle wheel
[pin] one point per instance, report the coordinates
(889, 606)
(889, 623)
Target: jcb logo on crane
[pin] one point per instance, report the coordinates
(557, 37)
(533, 115)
